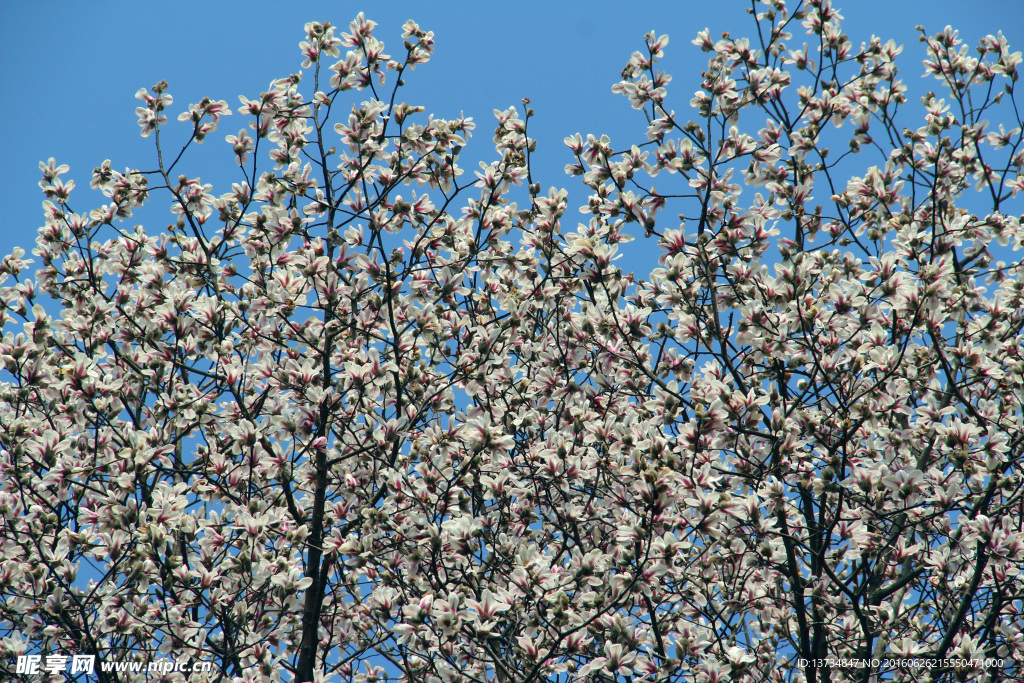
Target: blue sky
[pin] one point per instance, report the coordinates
(75, 68)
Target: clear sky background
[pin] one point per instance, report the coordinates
(69, 71)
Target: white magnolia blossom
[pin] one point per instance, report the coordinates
(364, 416)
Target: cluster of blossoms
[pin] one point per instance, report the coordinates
(364, 417)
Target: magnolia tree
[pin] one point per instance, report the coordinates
(362, 416)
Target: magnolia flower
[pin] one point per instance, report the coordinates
(241, 144)
(488, 606)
